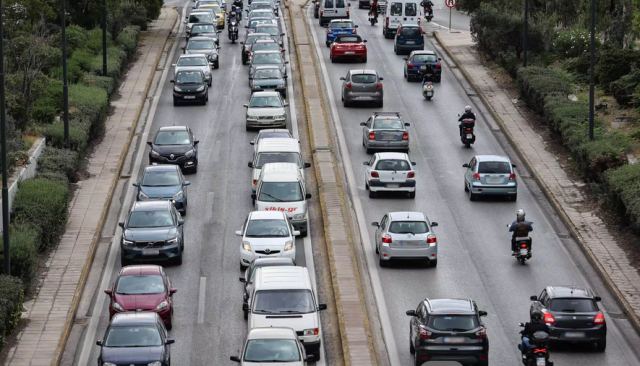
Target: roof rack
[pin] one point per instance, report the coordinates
(386, 114)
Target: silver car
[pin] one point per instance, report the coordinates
(268, 58)
(406, 235)
(385, 131)
(390, 172)
(266, 234)
(206, 46)
(490, 175)
(194, 62)
(362, 86)
(266, 109)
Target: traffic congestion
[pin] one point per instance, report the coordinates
(407, 147)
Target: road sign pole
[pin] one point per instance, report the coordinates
(450, 4)
(449, 19)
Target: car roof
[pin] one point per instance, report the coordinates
(569, 291)
(407, 216)
(161, 168)
(492, 158)
(363, 71)
(280, 172)
(278, 144)
(154, 205)
(340, 20)
(143, 269)
(201, 38)
(267, 215)
(192, 55)
(267, 40)
(266, 51)
(282, 277)
(132, 318)
(450, 306)
(266, 67)
(259, 34)
(199, 12)
(272, 261)
(423, 52)
(173, 128)
(272, 333)
(266, 93)
(409, 25)
(267, 24)
(392, 155)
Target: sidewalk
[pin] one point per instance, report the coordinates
(49, 315)
(587, 228)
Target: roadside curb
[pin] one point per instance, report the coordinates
(71, 314)
(575, 233)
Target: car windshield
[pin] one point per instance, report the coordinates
(200, 18)
(409, 227)
(364, 78)
(133, 336)
(424, 58)
(265, 46)
(274, 134)
(270, 58)
(277, 157)
(271, 350)
(261, 13)
(349, 39)
(256, 22)
(252, 38)
(387, 124)
(255, 6)
(201, 44)
(189, 77)
(192, 61)
(267, 229)
(139, 285)
(396, 9)
(274, 31)
(410, 31)
(149, 219)
(572, 305)
(203, 28)
(410, 9)
(453, 323)
(393, 164)
(172, 138)
(283, 302)
(494, 167)
(341, 25)
(280, 192)
(161, 178)
(271, 101)
(268, 74)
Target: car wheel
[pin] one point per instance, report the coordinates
(245, 314)
(412, 194)
(175, 101)
(601, 345)
(395, 49)
(179, 260)
(417, 361)
(364, 60)
(377, 250)
(372, 194)
(514, 197)
(369, 151)
(472, 196)
(380, 104)
(242, 267)
(123, 261)
(466, 189)
(332, 59)
(382, 262)
(216, 65)
(433, 263)
(412, 348)
(169, 325)
(438, 79)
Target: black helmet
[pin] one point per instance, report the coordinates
(536, 316)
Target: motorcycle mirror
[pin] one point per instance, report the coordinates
(597, 299)
(482, 313)
(521, 324)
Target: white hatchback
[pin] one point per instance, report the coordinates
(266, 234)
(390, 172)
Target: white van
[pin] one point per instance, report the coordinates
(281, 188)
(283, 297)
(276, 150)
(332, 9)
(400, 12)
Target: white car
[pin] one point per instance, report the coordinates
(270, 133)
(390, 172)
(194, 62)
(199, 16)
(266, 109)
(272, 345)
(266, 234)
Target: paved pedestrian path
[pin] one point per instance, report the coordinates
(564, 193)
(49, 315)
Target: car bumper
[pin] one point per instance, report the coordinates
(165, 314)
(190, 97)
(311, 346)
(464, 354)
(246, 257)
(387, 145)
(363, 97)
(353, 55)
(577, 335)
(167, 253)
(494, 190)
(183, 162)
(180, 205)
(266, 123)
(377, 186)
(388, 253)
(409, 47)
(300, 225)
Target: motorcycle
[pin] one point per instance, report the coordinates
(538, 353)
(427, 90)
(373, 19)
(466, 135)
(523, 249)
(233, 31)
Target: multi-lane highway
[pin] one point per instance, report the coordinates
(474, 245)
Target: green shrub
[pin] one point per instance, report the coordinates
(613, 63)
(128, 39)
(80, 61)
(94, 40)
(536, 83)
(103, 82)
(11, 298)
(624, 88)
(43, 203)
(623, 186)
(115, 62)
(89, 103)
(59, 161)
(571, 42)
(24, 241)
(76, 37)
(78, 135)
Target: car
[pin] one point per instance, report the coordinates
(135, 338)
(174, 145)
(142, 288)
(397, 13)
(266, 109)
(266, 233)
(268, 77)
(390, 172)
(197, 3)
(218, 11)
(408, 38)
(205, 30)
(275, 150)
(332, 9)
(256, 21)
(206, 46)
(348, 47)
(250, 39)
(152, 231)
(363, 86)
(406, 235)
(268, 58)
(260, 13)
(163, 182)
(249, 273)
(338, 27)
(385, 131)
(194, 62)
(265, 45)
(270, 133)
(572, 315)
(448, 330)
(255, 5)
(264, 346)
(190, 86)
(272, 30)
(490, 175)
(199, 17)
(416, 60)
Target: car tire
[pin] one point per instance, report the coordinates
(123, 261)
(175, 101)
(369, 151)
(216, 65)
(169, 325)
(416, 359)
(333, 60)
(412, 348)
(381, 262)
(600, 346)
(412, 194)
(472, 196)
(381, 104)
(364, 60)
(438, 79)
(466, 189)
(514, 197)
(377, 250)
(178, 261)
(372, 194)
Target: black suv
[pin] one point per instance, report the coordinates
(175, 145)
(190, 86)
(448, 330)
(572, 315)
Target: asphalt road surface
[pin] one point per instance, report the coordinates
(474, 245)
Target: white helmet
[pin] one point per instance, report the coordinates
(520, 215)
(467, 108)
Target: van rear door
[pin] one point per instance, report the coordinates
(411, 13)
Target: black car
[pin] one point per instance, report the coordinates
(268, 77)
(153, 231)
(135, 338)
(190, 86)
(205, 30)
(416, 60)
(175, 145)
(163, 182)
(448, 330)
(572, 315)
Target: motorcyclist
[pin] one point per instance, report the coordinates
(468, 114)
(520, 228)
(233, 15)
(238, 4)
(373, 10)
(427, 5)
(535, 325)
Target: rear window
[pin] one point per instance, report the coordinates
(410, 32)
(395, 9)
(424, 58)
(341, 25)
(494, 167)
(349, 39)
(393, 165)
(408, 227)
(453, 323)
(573, 305)
(364, 78)
(339, 3)
(387, 124)
(328, 3)
(410, 9)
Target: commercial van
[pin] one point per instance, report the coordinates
(400, 12)
(332, 9)
(281, 188)
(283, 297)
(276, 150)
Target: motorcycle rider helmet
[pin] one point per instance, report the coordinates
(520, 215)
(536, 317)
(467, 109)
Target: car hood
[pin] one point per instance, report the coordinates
(259, 112)
(160, 191)
(205, 69)
(189, 87)
(205, 34)
(262, 82)
(119, 355)
(298, 322)
(151, 234)
(264, 243)
(346, 44)
(139, 302)
(211, 51)
(172, 149)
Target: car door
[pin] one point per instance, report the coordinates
(380, 230)
(370, 166)
(539, 305)
(395, 14)
(411, 13)
(417, 321)
(468, 174)
(366, 129)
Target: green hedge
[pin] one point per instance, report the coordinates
(624, 89)
(614, 63)
(56, 162)
(116, 57)
(128, 39)
(43, 203)
(623, 185)
(24, 240)
(11, 298)
(78, 134)
(103, 82)
(536, 83)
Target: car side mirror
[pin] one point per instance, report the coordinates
(521, 325)
(375, 223)
(169, 341)
(98, 343)
(482, 313)
(363, 123)
(186, 183)
(406, 58)
(296, 232)
(172, 81)
(411, 313)
(254, 196)
(180, 222)
(355, 26)
(309, 358)
(365, 163)
(150, 143)
(307, 196)
(322, 307)
(245, 307)
(108, 292)
(235, 358)
(173, 65)
(242, 279)
(434, 224)
(597, 299)
(413, 163)
(196, 142)
(513, 165)
(252, 143)
(250, 77)
(245, 105)
(281, 34)
(364, 41)
(250, 164)
(285, 104)
(121, 224)
(439, 59)
(407, 124)
(173, 291)
(533, 298)
(307, 165)
(239, 232)
(286, 62)
(465, 165)
(341, 77)
(380, 78)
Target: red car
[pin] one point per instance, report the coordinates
(142, 288)
(348, 46)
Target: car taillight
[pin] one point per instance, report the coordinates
(354, 31)
(379, 86)
(347, 13)
(482, 333)
(599, 318)
(411, 174)
(372, 135)
(409, 66)
(405, 136)
(375, 174)
(348, 85)
(476, 176)
(548, 318)
(255, 181)
(432, 240)
(512, 176)
(321, 12)
(386, 239)
(386, 22)
(425, 334)
(523, 245)
(438, 65)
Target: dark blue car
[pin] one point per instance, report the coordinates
(408, 38)
(339, 27)
(138, 338)
(416, 60)
(163, 182)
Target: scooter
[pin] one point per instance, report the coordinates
(428, 14)
(467, 136)
(427, 90)
(233, 31)
(538, 353)
(373, 19)
(523, 249)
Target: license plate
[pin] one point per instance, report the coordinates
(523, 252)
(189, 97)
(349, 53)
(469, 136)
(150, 251)
(574, 334)
(494, 180)
(423, 67)
(540, 361)
(411, 42)
(454, 339)
(393, 185)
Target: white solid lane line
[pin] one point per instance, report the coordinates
(201, 299)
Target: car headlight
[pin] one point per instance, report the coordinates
(280, 116)
(172, 241)
(299, 216)
(207, 73)
(178, 196)
(177, 88)
(288, 246)
(143, 196)
(155, 363)
(252, 118)
(311, 332)
(155, 154)
(201, 88)
(212, 56)
(246, 246)
(163, 305)
(118, 307)
(190, 152)
(127, 242)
